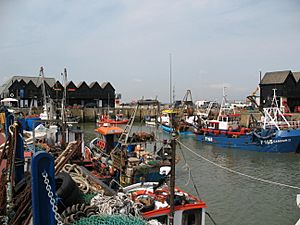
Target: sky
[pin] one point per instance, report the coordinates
(213, 43)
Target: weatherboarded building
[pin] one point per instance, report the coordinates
(287, 87)
(28, 91)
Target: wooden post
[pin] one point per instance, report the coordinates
(172, 179)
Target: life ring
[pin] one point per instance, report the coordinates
(101, 144)
(161, 195)
(11, 95)
(141, 192)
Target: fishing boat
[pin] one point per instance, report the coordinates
(118, 119)
(150, 120)
(163, 201)
(108, 137)
(129, 154)
(182, 128)
(169, 118)
(276, 134)
(156, 203)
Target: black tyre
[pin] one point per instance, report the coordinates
(67, 191)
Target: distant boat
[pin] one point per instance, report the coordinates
(150, 120)
(275, 135)
(118, 119)
(169, 115)
(184, 129)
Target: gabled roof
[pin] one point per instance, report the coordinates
(103, 85)
(36, 80)
(57, 86)
(82, 83)
(93, 84)
(277, 77)
(71, 83)
(106, 84)
(31, 82)
(297, 76)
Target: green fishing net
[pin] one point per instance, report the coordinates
(88, 197)
(111, 220)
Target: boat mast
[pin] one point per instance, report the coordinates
(108, 104)
(44, 91)
(170, 55)
(224, 100)
(63, 105)
(272, 113)
(64, 100)
(172, 179)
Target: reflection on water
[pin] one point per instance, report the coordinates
(233, 199)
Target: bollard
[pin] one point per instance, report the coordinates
(42, 210)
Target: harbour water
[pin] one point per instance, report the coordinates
(233, 199)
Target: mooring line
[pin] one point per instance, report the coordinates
(236, 172)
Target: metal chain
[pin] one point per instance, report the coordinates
(4, 220)
(52, 200)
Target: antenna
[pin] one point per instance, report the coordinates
(260, 76)
(174, 93)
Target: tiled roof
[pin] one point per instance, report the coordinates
(277, 77)
(297, 76)
(36, 80)
(103, 85)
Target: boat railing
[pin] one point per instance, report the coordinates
(294, 124)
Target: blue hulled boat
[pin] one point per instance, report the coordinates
(275, 135)
(280, 141)
(184, 130)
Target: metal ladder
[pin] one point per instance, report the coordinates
(124, 136)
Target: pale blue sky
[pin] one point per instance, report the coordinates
(214, 43)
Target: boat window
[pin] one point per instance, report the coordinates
(191, 217)
(162, 219)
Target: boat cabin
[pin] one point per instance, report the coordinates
(155, 200)
(109, 136)
(228, 122)
(167, 115)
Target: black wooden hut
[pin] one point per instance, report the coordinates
(287, 88)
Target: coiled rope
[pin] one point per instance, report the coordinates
(76, 173)
(236, 172)
(117, 204)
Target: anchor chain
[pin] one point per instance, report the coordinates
(51, 198)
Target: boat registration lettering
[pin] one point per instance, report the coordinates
(271, 142)
(208, 139)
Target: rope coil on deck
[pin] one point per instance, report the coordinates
(76, 173)
(118, 204)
